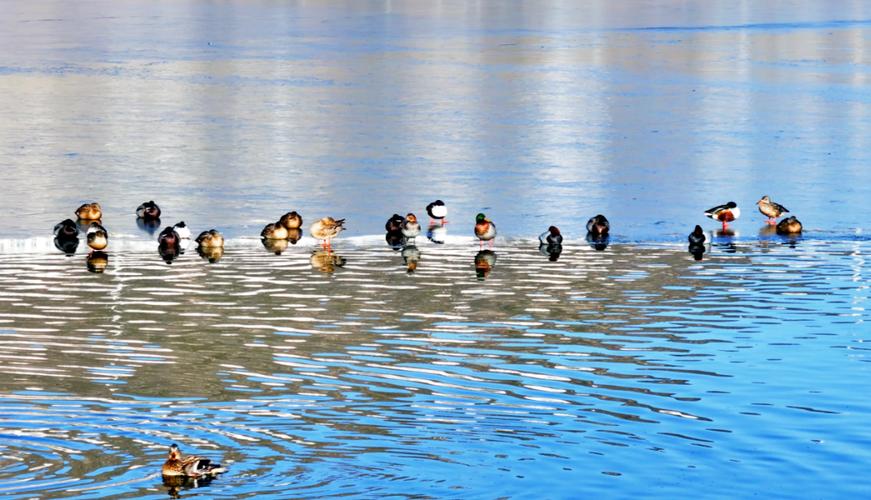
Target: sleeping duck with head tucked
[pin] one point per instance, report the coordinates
(90, 211)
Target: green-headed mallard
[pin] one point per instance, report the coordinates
(485, 229)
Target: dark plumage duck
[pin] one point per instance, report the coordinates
(274, 231)
(551, 237)
(770, 209)
(90, 211)
(437, 211)
(148, 210)
(291, 220)
(210, 239)
(485, 229)
(697, 237)
(410, 227)
(191, 466)
(66, 229)
(725, 213)
(598, 226)
(98, 237)
(169, 237)
(394, 223)
(790, 225)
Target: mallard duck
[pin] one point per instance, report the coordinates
(551, 237)
(598, 226)
(697, 237)
(326, 229)
(437, 211)
(90, 211)
(410, 227)
(291, 220)
(191, 466)
(394, 224)
(183, 231)
(98, 237)
(274, 231)
(148, 210)
(97, 261)
(485, 229)
(66, 229)
(770, 209)
(210, 239)
(724, 213)
(790, 225)
(169, 238)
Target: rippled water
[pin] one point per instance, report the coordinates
(636, 368)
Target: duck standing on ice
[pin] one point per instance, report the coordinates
(725, 213)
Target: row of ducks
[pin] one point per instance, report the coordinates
(729, 212)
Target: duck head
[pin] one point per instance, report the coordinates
(481, 219)
(411, 218)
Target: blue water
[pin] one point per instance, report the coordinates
(633, 371)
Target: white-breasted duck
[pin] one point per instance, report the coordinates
(598, 226)
(551, 237)
(437, 211)
(724, 213)
(98, 237)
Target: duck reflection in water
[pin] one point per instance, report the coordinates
(174, 484)
(725, 239)
(437, 233)
(598, 242)
(326, 261)
(552, 251)
(484, 262)
(294, 235)
(411, 256)
(66, 245)
(97, 261)
(211, 254)
(149, 226)
(274, 246)
(551, 243)
(395, 240)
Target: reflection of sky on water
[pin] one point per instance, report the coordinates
(230, 114)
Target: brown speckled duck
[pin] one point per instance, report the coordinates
(274, 231)
(191, 466)
(771, 209)
(90, 211)
(210, 239)
(790, 225)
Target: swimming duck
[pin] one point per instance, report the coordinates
(697, 237)
(485, 229)
(183, 231)
(551, 237)
(724, 213)
(274, 231)
(90, 211)
(98, 237)
(148, 210)
(191, 466)
(394, 224)
(210, 239)
(437, 211)
(790, 225)
(326, 229)
(598, 226)
(169, 238)
(66, 229)
(410, 227)
(291, 220)
(771, 209)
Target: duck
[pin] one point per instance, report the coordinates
(148, 210)
(598, 226)
(190, 466)
(210, 239)
(66, 230)
(437, 211)
(274, 231)
(98, 237)
(485, 229)
(725, 213)
(410, 227)
(169, 238)
(790, 225)
(394, 223)
(291, 220)
(551, 237)
(183, 231)
(697, 237)
(771, 209)
(326, 229)
(90, 211)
